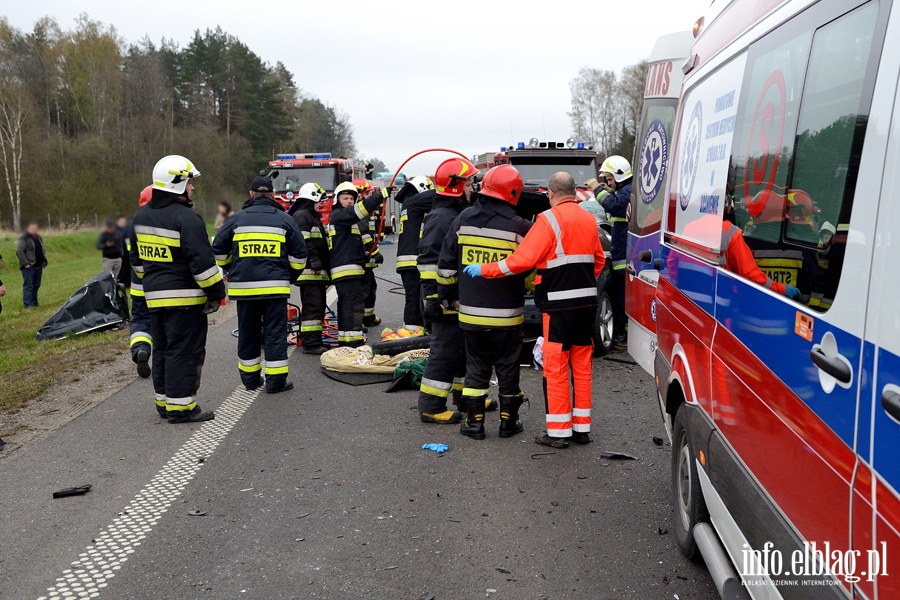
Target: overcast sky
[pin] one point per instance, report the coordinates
(467, 75)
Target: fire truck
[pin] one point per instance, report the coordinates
(290, 171)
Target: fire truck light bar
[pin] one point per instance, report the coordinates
(318, 156)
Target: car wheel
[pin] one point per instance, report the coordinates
(603, 326)
(687, 497)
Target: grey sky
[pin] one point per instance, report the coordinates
(471, 76)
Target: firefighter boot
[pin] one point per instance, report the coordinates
(142, 360)
(510, 424)
(490, 405)
(473, 425)
(447, 417)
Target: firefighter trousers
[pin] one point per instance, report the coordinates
(179, 335)
(140, 327)
(568, 345)
(618, 302)
(312, 313)
(445, 370)
(412, 306)
(490, 350)
(350, 308)
(370, 293)
(262, 323)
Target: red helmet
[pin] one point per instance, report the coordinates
(362, 186)
(452, 174)
(503, 182)
(146, 194)
(800, 207)
(766, 207)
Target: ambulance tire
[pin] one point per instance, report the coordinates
(687, 497)
(603, 325)
(394, 347)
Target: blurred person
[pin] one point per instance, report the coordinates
(110, 244)
(374, 258)
(223, 213)
(591, 204)
(313, 280)
(125, 271)
(32, 255)
(141, 340)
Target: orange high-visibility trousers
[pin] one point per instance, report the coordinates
(568, 345)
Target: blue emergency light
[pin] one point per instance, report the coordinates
(581, 145)
(324, 156)
(286, 156)
(520, 146)
(502, 148)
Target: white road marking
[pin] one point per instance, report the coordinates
(100, 561)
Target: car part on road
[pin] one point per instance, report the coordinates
(73, 491)
(196, 513)
(614, 454)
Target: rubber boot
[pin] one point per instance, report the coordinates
(510, 424)
(473, 425)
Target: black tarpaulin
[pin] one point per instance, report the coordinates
(100, 304)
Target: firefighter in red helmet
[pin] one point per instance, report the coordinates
(446, 367)
(491, 311)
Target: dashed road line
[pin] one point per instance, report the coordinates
(90, 574)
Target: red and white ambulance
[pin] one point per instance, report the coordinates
(781, 392)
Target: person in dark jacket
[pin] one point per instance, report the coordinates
(125, 270)
(263, 251)
(368, 230)
(347, 254)
(2, 287)
(446, 367)
(614, 194)
(109, 243)
(416, 197)
(32, 255)
(313, 280)
(182, 284)
(491, 311)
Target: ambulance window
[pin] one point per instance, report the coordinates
(831, 119)
(651, 165)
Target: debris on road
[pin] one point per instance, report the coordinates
(2, 444)
(439, 448)
(618, 455)
(661, 531)
(538, 455)
(657, 440)
(504, 571)
(196, 513)
(73, 491)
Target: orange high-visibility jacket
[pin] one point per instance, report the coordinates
(736, 256)
(564, 246)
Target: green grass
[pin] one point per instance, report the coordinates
(29, 367)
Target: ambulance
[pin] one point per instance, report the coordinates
(778, 357)
(650, 167)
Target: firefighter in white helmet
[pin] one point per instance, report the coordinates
(614, 194)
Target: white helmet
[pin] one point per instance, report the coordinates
(172, 173)
(619, 167)
(312, 191)
(345, 188)
(421, 183)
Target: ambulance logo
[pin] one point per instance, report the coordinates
(690, 158)
(654, 158)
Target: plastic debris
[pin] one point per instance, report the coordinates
(618, 455)
(197, 513)
(439, 448)
(72, 491)
(657, 440)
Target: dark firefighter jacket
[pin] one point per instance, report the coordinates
(415, 207)
(171, 254)
(315, 235)
(367, 232)
(262, 249)
(487, 232)
(347, 251)
(435, 227)
(616, 207)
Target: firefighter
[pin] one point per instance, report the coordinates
(141, 341)
(347, 254)
(182, 284)
(614, 194)
(491, 313)
(373, 258)
(263, 251)
(313, 280)
(416, 196)
(446, 366)
(564, 245)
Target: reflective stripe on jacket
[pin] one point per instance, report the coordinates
(315, 236)
(434, 229)
(347, 252)
(414, 210)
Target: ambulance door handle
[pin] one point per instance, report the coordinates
(890, 401)
(833, 366)
(645, 256)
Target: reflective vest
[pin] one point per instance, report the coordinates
(488, 232)
(171, 255)
(735, 256)
(262, 249)
(564, 245)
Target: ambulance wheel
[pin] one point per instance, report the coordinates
(394, 347)
(687, 498)
(603, 325)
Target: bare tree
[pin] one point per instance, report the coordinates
(596, 107)
(13, 112)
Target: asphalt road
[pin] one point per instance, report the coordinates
(324, 492)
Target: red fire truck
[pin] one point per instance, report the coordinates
(290, 171)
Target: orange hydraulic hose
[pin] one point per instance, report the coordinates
(394, 178)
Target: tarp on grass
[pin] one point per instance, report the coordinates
(100, 304)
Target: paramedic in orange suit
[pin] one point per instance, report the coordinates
(735, 255)
(564, 246)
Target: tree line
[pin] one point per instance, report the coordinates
(84, 116)
(606, 108)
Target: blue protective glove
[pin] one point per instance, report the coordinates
(791, 292)
(473, 270)
(439, 448)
